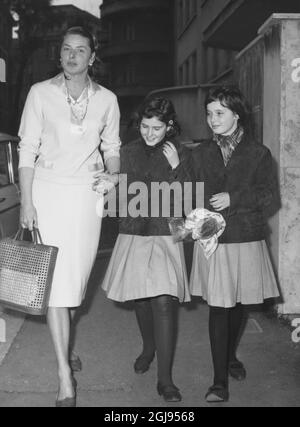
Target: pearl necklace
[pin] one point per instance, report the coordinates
(78, 108)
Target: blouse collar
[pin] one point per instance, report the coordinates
(60, 82)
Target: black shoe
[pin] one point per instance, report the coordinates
(169, 392)
(237, 370)
(217, 394)
(142, 364)
(68, 402)
(75, 364)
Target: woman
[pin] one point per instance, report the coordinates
(146, 265)
(64, 121)
(239, 183)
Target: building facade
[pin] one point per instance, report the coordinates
(139, 49)
(5, 80)
(209, 35)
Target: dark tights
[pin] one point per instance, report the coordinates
(224, 330)
(157, 322)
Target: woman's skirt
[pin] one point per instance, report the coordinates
(67, 219)
(146, 267)
(235, 273)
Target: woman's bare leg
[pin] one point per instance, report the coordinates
(59, 324)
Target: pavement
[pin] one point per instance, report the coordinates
(108, 342)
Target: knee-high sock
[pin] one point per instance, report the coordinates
(143, 311)
(219, 341)
(236, 317)
(164, 316)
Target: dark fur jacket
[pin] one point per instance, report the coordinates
(143, 164)
(248, 178)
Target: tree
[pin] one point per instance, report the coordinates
(34, 19)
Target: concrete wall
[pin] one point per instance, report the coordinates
(282, 135)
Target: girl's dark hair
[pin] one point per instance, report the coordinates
(231, 97)
(84, 32)
(161, 108)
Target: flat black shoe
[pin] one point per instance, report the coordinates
(217, 394)
(170, 393)
(142, 364)
(237, 370)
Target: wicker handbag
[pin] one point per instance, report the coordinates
(26, 272)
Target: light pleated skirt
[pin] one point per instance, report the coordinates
(146, 267)
(235, 273)
(67, 219)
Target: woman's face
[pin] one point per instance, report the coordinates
(76, 54)
(220, 119)
(153, 131)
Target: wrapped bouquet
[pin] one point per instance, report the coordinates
(201, 225)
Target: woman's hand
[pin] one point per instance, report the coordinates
(220, 201)
(105, 182)
(28, 216)
(171, 154)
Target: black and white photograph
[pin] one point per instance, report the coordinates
(149, 206)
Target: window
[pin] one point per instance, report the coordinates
(187, 10)
(130, 32)
(187, 72)
(193, 60)
(4, 173)
(53, 52)
(2, 71)
(180, 76)
(180, 16)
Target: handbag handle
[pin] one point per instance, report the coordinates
(35, 233)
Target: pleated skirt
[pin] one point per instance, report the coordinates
(146, 267)
(67, 219)
(235, 273)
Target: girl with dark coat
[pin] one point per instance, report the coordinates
(146, 265)
(239, 184)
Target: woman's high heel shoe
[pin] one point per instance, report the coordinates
(75, 364)
(170, 393)
(68, 402)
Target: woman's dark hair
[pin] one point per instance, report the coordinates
(231, 97)
(84, 32)
(161, 108)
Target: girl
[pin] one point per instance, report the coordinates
(239, 183)
(146, 265)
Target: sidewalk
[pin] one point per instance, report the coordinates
(108, 342)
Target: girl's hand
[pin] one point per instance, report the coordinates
(171, 154)
(28, 216)
(220, 201)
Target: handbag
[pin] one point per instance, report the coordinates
(26, 273)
